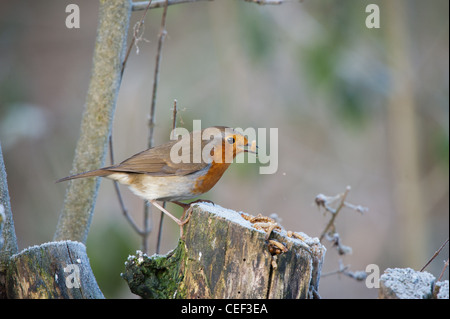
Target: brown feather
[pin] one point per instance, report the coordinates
(98, 172)
(155, 161)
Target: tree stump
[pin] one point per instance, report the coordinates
(440, 290)
(224, 255)
(52, 270)
(406, 283)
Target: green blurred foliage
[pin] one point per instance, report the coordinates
(257, 34)
(441, 147)
(108, 246)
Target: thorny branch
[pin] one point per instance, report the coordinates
(141, 5)
(137, 30)
(336, 241)
(325, 202)
(357, 275)
(332, 235)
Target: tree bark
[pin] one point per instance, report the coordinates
(53, 270)
(8, 241)
(223, 256)
(76, 215)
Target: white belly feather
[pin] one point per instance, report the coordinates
(159, 187)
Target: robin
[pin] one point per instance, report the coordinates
(161, 174)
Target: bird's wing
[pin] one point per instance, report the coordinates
(157, 162)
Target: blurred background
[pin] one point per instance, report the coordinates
(368, 108)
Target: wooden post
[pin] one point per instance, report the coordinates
(223, 255)
(52, 270)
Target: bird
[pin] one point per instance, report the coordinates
(161, 173)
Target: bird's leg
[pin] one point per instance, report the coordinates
(189, 210)
(185, 207)
(176, 220)
(188, 205)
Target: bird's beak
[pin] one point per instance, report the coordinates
(251, 147)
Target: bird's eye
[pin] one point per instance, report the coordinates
(231, 140)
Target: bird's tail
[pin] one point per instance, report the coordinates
(97, 172)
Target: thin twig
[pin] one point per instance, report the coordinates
(435, 254)
(335, 213)
(174, 119)
(357, 275)
(161, 220)
(162, 36)
(146, 231)
(443, 270)
(119, 195)
(263, 2)
(141, 5)
(336, 240)
(151, 122)
(137, 29)
(147, 228)
(341, 270)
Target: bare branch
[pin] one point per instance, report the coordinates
(161, 220)
(336, 240)
(151, 122)
(141, 5)
(119, 195)
(162, 36)
(136, 29)
(443, 270)
(264, 2)
(327, 202)
(334, 212)
(435, 255)
(357, 275)
(174, 118)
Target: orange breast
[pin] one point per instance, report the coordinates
(207, 181)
